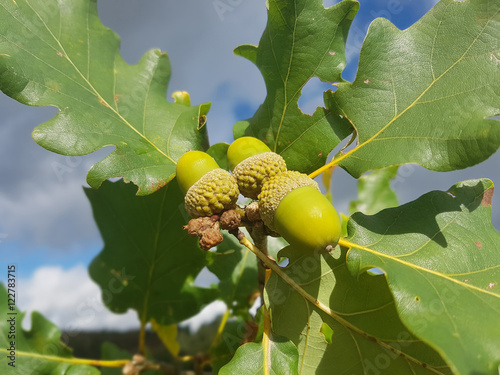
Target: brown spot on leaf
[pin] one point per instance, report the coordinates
(202, 121)
(487, 197)
(478, 244)
(103, 102)
(320, 154)
(59, 54)
(466, 280)
(491, 285)
(251, 330)
(332, 53)
(494, 58)
(367, 81)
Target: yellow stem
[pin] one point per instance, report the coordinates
(142, 338)
(186, 358)
(265, 340)
(324, 168)
(74, 361)
(222, 325)
(343, 242)
(275, 268)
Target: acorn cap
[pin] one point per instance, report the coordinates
(212, 194)
(274, 190)
(251, 173)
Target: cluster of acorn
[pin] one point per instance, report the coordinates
(288, 203)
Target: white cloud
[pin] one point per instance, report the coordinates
(72, 301)
(206, 316)
(41, 199)
(42, 204)
(48, 214)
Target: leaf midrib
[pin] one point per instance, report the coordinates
(96, 93)
(398, 258)
(285, 81)
(351, 245)
(323, 307)
(415, 102)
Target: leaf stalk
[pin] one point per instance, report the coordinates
(74, 361)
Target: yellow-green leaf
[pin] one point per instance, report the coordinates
(302, 40)
(167, 335)
(426, 94)
(57, 53)
(441, 257)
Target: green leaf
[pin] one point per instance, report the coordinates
(302, 40)
(236, 268)
(231, 338)
(148, 262)
(364, 334)
(281, 358)
(53, 54)
(424, 95)
(440, 255)
(38, 351)
(375, 192)
(219, 152)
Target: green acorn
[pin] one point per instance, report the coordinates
(252, 163)
(292, 205)
(208, 189)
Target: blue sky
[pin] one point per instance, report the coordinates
(46, 224)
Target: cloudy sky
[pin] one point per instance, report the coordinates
(46, 225)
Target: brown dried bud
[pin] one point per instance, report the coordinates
(230, 220)
(252, 211)
(129, 369)
(138, 359)
(196, 227)
(210, 238)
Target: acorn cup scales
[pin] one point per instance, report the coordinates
(252, 163)
(208, 189)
